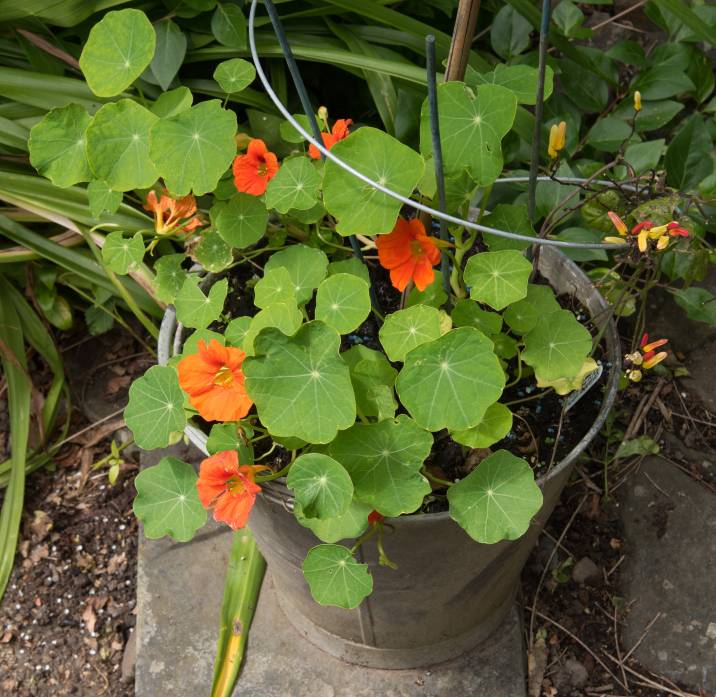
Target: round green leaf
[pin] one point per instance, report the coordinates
(321, 486)
(118, 145)
(156, 408)
(384, 461)
(498, 278)
(284, 316)
(306, 266)
(295, 186)
(121, 253)
(173, 102)
(373, 378)
(102, 198)
(236, 331)
(352, 265)
(194, 148)
(194, 309)
(118, 49)
(472, 125)
(275, 286)
(167, 501)
(497, 500)
(335, 577)
(557, 346)
(450, 382)
(228, 25)
(300, 384)
(170, 52)
(359, 208)
(212, 252)
(510, 218)
(523, 315)
(403, 330)
(343, 302)
(241, 221)
(57, 146)
(467, 313)
(495, 425)
(169, 276)
(234, 75)
(348, 526)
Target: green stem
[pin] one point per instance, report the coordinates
(437, 480)
(536, 395)
(277, 475)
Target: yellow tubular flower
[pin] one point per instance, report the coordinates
(637, 101)
(557, 139)
(642, 240)
(662, 243)
(634, 375)
(654, 360)
(618, 223)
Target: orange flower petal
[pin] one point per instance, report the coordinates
(234, 509)
(401, 275)
(214, 473)
(423, 275)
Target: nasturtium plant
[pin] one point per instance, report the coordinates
(384, 461)
(321, 485)
(167, 502)
(234, 75)
(405, 329)
(300, 384)
(359, 208)
(118, 145)
(295, 186)
(192, 149)
(377, 376)
(335, 577)
(197, 309)
(343, 302)
(497, 500)
(155, 412)
(451, 381)
(306, 267)
(120, 46)
(557, 345)
(241, 220)
(498, 278)
(493, 427)
(57, 146)
(121, 253)
(472, 126)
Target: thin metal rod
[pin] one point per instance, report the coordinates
(437, 153)
(539, 109)
(388, 192)
(305, 99)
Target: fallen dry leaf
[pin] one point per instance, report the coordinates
(89, 618)
(536, 666)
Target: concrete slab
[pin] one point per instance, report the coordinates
(179, 593)
(670, 528)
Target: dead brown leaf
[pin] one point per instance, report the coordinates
(40, 525)
(89, 618)
(536, 666)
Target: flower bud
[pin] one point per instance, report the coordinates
(323, 113)
(557, 139)
(637, 101)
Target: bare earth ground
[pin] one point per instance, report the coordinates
(68, 614)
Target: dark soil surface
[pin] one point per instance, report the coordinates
(69, 609)
(572, 607)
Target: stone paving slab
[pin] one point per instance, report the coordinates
(179, 589)
(670, 528)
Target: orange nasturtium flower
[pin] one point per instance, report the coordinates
(338, 132)
(644, 358)
(646, 230)
(229, 487)
(557, 139)
(254, 170)
(409, 254)
(173, 214)
(214, 381)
